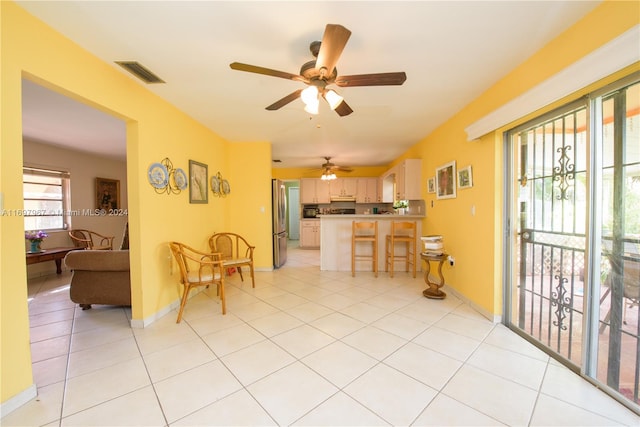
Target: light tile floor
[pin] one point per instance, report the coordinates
(304, 348)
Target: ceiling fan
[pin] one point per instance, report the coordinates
(321, 72)
(328, 169)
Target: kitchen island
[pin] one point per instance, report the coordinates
(335, 241)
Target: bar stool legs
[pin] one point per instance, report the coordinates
(401, 232)
(364, 231)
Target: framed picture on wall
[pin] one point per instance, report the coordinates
(107, 194)
(465, 178)
(446, 181)
(198, 182)
(431, 185)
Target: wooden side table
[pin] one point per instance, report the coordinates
(53, 254)
(433, 291)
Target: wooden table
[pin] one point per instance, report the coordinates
(53, 254)
(433, 291)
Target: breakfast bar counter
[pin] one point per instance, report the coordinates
(335, 240)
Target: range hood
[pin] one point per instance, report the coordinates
(338, 198)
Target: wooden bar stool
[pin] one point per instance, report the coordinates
(364, 231)
(401, 232)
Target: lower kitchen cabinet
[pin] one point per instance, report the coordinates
(310, 233)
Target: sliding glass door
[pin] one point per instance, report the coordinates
(573, 267)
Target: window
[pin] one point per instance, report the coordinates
(46, 199)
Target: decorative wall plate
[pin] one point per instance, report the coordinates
(180, 178)
(215, 184)
(158, 175)
(226, 188)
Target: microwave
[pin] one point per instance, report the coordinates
(310, 211)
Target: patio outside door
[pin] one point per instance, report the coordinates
(573, 267)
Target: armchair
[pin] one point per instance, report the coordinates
(235, 250)
(198, 269)
(91, 240)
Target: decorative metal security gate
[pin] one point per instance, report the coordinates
(551, 241)
(574, 276)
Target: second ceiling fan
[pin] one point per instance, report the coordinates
(321, 72)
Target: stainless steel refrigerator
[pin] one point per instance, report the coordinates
(279, 223)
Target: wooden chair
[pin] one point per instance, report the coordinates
(125, 238)
(91, 240)
(198, 269)
(401, 232)
(364, 231)
(235, 250)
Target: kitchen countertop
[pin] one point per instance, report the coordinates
(369, 216)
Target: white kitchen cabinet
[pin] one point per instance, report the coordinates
(411, 174)
(314, 190)
(367, 190)
(310, 233)
(402, 182)
(343, 187)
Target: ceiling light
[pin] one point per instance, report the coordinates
(328, 176)
(333, 98)
(309, 95)
(312, 107)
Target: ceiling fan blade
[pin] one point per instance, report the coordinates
(343, 109)
(342, 169)
(266, 71)
(284, 101)
(377, 79)
(333, 42)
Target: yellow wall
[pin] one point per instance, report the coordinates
(155, 130)
(251, 216)
(297, 173)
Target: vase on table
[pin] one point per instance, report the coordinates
(34, 245)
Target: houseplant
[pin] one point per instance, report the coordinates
(400, 206)
(35, 238)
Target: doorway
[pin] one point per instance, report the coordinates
(293, 197)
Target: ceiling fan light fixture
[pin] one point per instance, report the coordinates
(312, 107)
(328, 176)
(333, 98)
(309, 95)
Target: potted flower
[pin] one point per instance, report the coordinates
(400, 206)
(35, 238)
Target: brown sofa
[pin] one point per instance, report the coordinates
(99, 277)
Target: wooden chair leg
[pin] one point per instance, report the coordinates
(222, 298)
(253, 279)
(183, 302)
(375, 258)
(240, 271)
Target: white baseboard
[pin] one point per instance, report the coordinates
(143, 323)
(18, 400)
(495, 318)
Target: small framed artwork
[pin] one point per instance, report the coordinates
(431, 185)
(198, 182)
(107, 194)
(446, 181)
(465, 178)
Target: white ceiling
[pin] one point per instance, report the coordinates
(451, 51)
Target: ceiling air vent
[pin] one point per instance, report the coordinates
(140, 71)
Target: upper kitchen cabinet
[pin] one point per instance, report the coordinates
(313, 190)
(367, 190)
(402, 182)
(343, 187)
